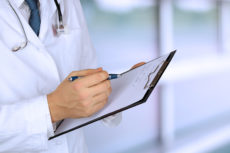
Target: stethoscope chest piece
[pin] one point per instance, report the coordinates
(62, 29)
(19, 47)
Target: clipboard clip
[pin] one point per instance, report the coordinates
(148, 85)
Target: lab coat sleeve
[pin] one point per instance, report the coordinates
(91, 60)
(25, 126)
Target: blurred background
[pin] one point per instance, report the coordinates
(189, 111)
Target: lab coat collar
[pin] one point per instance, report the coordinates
(49, 7)
(32, 37)
(18, 3)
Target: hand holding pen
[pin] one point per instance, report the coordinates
(81, 94)
(82, 97)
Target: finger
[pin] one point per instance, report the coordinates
(104, 87)
(99, 106)
(85, 72)
(93, 79)
(99, 98)
(137, 65)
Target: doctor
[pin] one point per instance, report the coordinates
(42, 43)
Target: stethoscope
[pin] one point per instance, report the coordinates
(60, 29)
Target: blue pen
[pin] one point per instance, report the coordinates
(111, 77)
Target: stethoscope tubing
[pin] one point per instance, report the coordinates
(21, 47)
(24, 44)
(59, 11)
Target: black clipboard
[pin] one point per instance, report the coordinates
(151, 87)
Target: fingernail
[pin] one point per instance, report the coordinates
(100, 69)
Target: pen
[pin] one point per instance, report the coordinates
(111, 77)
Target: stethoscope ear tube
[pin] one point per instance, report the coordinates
(59, 12)
(24, 44)
(60, 28)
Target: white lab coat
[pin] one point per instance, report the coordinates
(27, 76)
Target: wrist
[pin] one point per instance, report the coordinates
(55, 111)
